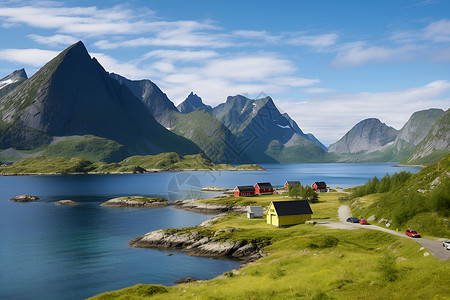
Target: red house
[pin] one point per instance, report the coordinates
(246, 190)
(263, 188)
(287, 184)
(320, 186)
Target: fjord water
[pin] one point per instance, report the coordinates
(74, 252)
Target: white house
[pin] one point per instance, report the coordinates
(254, 212)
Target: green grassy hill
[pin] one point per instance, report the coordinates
(311, 262)
(420, 201)
(163, 161)
(90, 147)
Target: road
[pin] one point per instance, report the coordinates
(435, 247)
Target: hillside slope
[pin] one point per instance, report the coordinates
(74, 95)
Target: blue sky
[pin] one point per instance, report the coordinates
(328, 64)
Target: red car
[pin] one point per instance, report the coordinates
(363, 222)
(412, 233)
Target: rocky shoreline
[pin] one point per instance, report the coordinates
(197, 206)
(196, 243)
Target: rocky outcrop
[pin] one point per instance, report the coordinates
(197, 244)
(196, 205)
(24, 198)
(66, 202)
(137, 201)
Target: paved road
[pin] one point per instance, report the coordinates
(435, 247)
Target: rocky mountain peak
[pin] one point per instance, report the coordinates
(12, 79)
(368, 135)
(192, 103)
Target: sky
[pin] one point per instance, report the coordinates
(328, 64)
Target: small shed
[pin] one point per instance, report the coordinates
(285, 213)
(320, 186)
(244, 190)
(254, 212)
(263, 188)
(287, 184)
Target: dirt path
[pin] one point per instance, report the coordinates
(344, 212)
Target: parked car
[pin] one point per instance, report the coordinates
(412, 233)
(363, 222)
(353, 220)
(446, 245)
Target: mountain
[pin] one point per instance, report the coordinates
(373, 141)
(193, 103)
(11, 81)
(214, 138)
(413, 132)
(196, 123)
(368, 135)
(73, 95)
(308, 136)
(157, 102)
(264, 133)
(436, 143)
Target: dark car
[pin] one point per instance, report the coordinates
(412, 233)
(353, 220)
(363, 222)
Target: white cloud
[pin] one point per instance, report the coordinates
(126, 69)
(317, 90)
(29, 57)
(177, 55)
(330, 117)
(359, 53)
(316, 41)
(57, 40)
(438, 31)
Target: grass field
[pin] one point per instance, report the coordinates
(314, 262)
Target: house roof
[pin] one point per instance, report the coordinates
(292, 208)
(264, 185)
(320, 184)
(246, 188)
(255, 209)
(293, 183)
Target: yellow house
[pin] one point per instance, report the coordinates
(285, 213)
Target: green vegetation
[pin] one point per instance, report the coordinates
(314, 262)
(303, 192)
(420, 201)
(43, 164)
(263, 200)
(90, 147)
(135, 164)
(144, 199)
(301, 151)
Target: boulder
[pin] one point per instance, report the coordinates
(24, 198)
(66, 202)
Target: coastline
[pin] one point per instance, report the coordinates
(202, 242)
(122, 173)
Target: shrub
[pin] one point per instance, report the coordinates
(388, 268)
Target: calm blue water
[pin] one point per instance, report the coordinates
(73, 252)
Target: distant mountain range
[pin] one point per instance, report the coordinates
(73, 107)
(424, 138)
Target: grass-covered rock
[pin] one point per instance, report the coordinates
(137, 201)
